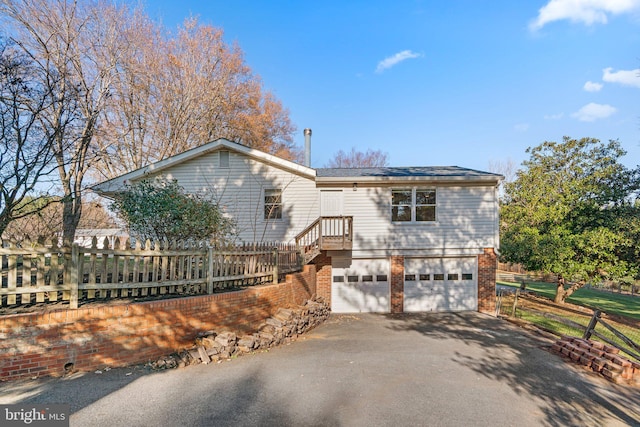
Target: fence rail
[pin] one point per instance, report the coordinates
(562, 320)
(37, 274)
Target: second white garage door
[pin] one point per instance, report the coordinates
(440, 284)
(361, 287)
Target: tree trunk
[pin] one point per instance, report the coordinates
(561, 293)
(71, 211)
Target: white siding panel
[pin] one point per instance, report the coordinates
(239, 190)
(466, 219)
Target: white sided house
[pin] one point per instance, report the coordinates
(391, 239)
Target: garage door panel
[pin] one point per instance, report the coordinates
(441, 284)
(360, 286)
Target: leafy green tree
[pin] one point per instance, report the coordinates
(162, 210)
(573, 211)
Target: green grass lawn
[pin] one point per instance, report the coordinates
(611, 303)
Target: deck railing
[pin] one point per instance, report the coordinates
(38, 274)
(326, 233)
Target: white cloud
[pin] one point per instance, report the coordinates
(623, 77)
(554, 116)
(586, 11)
(592, 112)
(396, 59)
(592, 86)
(521, 127)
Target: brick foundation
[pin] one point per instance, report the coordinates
(487, 266)
(323, 276)
(91, 337)
(397, 284)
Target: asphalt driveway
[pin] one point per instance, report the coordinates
(356, 370)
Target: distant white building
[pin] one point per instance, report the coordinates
(84, 236)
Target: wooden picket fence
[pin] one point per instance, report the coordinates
(38, 274)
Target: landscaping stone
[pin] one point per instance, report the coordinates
(284, 327)
(603, 359)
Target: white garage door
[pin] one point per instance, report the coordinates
(360, 286)
(440, 284)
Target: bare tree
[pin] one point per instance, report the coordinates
(506, 168)
(45, 223)
(76, 47)
(179, 92)
(26, 151)
(359, 159)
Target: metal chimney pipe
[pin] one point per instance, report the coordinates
(307, 147)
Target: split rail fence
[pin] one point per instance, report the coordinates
(561, 320)
(38, 274)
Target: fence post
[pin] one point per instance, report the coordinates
(515, 303)
(592, 325)
(210, 269)
(275, 266)
(72, 281)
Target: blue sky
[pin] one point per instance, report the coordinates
(465, 82)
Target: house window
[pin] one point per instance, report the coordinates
(452, 276)
(425, 205)
(415, 205)
(410, 277)
(401, 205)
(438, 276)
(467, 276)
(224, 159)
(425, 277)
(272, 203)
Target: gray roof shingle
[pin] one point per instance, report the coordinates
(409, 171)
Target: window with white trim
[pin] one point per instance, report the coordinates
(413, 205)
(272, 203)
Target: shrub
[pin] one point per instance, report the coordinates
(162, 210)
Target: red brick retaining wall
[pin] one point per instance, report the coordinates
(35, 344)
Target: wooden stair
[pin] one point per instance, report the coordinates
(327, 233)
